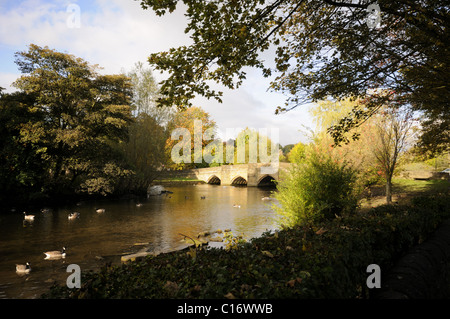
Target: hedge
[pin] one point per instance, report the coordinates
(324, 260)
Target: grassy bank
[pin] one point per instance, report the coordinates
(324, 260)
(177, 181)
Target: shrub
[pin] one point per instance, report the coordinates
(318, 188)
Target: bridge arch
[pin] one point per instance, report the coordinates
(266, 181)
(239, 180)
(214, 180)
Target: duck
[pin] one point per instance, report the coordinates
(73, 215)
(28, 217)
(23, 269)
(54, 254)
(236, 206)
(100, 210)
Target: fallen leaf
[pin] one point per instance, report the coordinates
(230, 296)
(267, 253)
(321, 231)
(291, 283)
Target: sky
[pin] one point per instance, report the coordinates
(115, 34)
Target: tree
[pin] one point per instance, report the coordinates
(22, 173)
(145, 93)
(358, 153)
(323, 48)
(253, 147)
(393, 135)
(287, 148)
(194, 138)
(144, 152)
(78, 118)
(297, 153)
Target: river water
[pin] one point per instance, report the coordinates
(96, 238)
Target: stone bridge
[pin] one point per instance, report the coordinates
(253, 174)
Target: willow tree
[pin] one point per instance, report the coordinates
(324, 48)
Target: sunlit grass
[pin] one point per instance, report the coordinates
(412, 185)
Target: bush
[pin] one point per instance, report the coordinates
(318, 188)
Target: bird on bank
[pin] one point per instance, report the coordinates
(23, 269)
(28, 217)
(54, 254)
(100, 210)
(73, 215)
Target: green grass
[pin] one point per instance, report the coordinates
(404, 190)
(402, 185)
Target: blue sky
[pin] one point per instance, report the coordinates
(115, 34)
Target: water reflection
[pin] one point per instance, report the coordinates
(92, 238)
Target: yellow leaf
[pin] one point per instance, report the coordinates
(230, 296)
(267, 253)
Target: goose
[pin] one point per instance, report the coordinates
(28, 217)
(236, 206)
(55, 254)
(73, 215)
(23, 269)
(100, 210)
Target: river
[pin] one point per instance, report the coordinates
(125, 227)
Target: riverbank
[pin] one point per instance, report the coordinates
(177, 182)
(324, 260)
